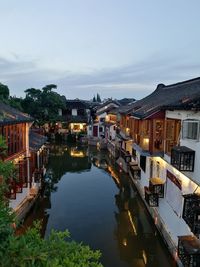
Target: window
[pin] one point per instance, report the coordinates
(190, 129)
(100, 129)
(143, 163)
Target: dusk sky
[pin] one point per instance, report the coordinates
(118, 48)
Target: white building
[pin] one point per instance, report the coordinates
(165, 130)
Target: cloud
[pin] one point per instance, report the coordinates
(22, 74)
(133, 80)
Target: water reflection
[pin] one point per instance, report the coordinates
(86, 193)
(135, 235)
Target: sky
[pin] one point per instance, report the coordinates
(117, 48)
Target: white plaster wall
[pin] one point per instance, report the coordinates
(14, 203)
(112, 132)
(103, 115)
(192, 144)
(102, 132)
(74, 112)
(144, 175)
(99, 124)
(89, 130)
(188, 186)
(183, 114)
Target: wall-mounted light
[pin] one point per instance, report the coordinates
(146, 141)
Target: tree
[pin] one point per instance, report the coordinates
(4, 92)
(33, 93)
(16, 102)
(98, 98)
(30, 249)
(48, 88)
(3, 148)
(43, 104)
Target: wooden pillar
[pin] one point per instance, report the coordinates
(151, 135)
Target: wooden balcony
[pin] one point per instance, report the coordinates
(156, 185)
(191, 212)
(151, 198)
(135, 171)
(189, 250)
(126, 156)
(182, 158)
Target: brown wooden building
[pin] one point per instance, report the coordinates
(14, 127)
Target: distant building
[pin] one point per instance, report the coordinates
(96, 128)
(76, 114)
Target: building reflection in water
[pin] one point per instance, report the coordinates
(136, 236)
(133, 231)
(136, 240)
(63, 159)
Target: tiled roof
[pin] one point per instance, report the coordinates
(76, 119)
(126, 101)
(9, 115)
(113, 111)
(109, 109)
(76, 103)
(127, 108)
(178, 95)
(109, 101)
(36, 141)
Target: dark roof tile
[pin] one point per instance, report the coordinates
(9, 115)
(176, 95)
(36, 141)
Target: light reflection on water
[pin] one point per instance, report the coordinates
(86, 194)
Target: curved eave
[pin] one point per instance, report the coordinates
(9, 122)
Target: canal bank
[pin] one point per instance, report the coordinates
(87, 194)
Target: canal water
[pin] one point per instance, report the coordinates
(90, 196)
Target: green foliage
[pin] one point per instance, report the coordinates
(57, 250)
(30, 249)
(3, 147)
(48, 88)
(6, 169)
(16, 102)
(33, 93)
(43, 104)
(6, 223)
(98, 98)
(4, 92)
(94, 99)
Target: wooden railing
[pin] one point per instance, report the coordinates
(151, 198)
